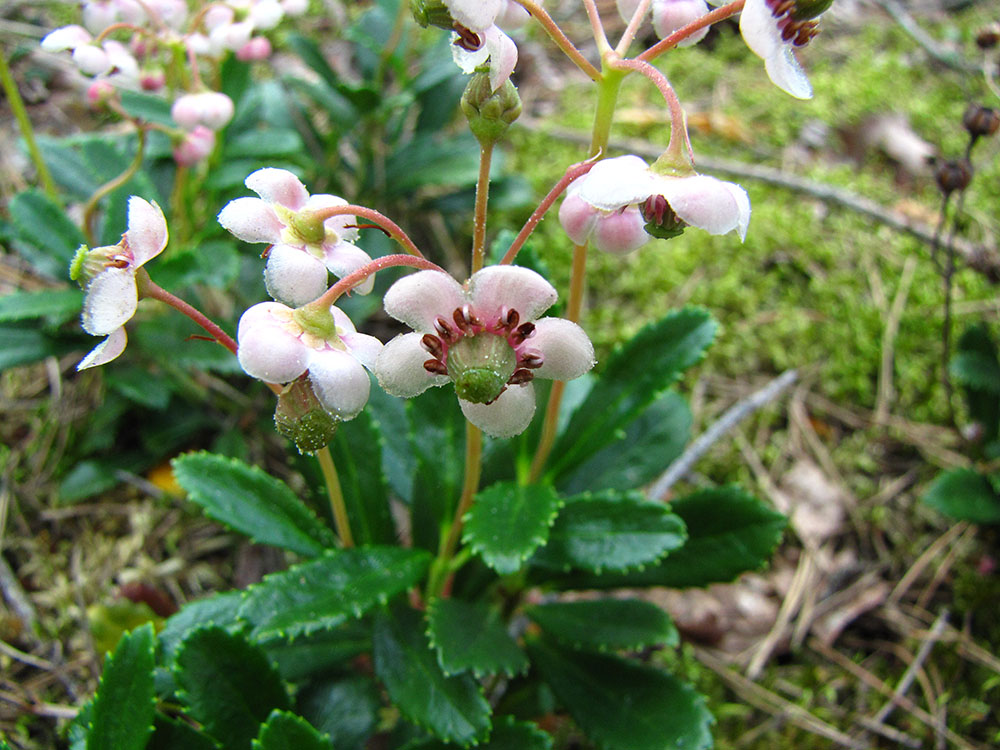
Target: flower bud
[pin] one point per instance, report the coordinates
(953, 175)
(432, 13)
(212, 109)
(91, 59)
(490, 112)
(152, 80)
(99, 93)
(671, 15)
(258, 48)
(301, 418)
(980, 120)
(195, 147)
(480, 367)
(988, 37)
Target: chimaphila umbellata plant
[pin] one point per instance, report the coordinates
(448, 627)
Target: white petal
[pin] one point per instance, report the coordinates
(363, 348)
(743, 207)
(503, 56)
(671, 15)
(251, 220)
(566, 350)
(67, 37)
(785, 73)
(106, 351)
(506, 417)
(421, 297)
(147, 230)
(466, 60)
(337, 223)
(399, 367)
(706, 203)
(613, 183)
(760, 31)
(266, 350)
(516, 287)
(626, 9)
(477, 15)
(344, 258)
(577, 218)
(620, 232)
(278, 186)
(340, 382)
(294, 276)
(91, 59)
(512, 16)
(111, 300)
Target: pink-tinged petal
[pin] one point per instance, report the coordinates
(760, 31)
(566, 350)
(506, 417)
(67, 37)
(261, 315)
(91, 60)
(620, 232)
(278, 186)
(106, 351)
(477, 15)
(672, 15)
(468, 60)
(293, 276)
(266, 350)
(516, 287)
(251, 220)
(786, 73)
(503, 56)
(340, 383)
(338, 224)
(627, 8)
(345, 258)
(613, 183)
(577, 217)
(363, 348)
(147, 230)
(344, 324)
(111, 300)
(418, 299)
(512, 16)
(742, 207)
(705, 202)
(122, 61)
(399, 367)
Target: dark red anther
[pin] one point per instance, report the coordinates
(522, 332)
(531, 359)
(463, 319)
(509, 318)
(118, 261)
(445, 331)
(433, 345)
(435, 367)
(520, 377)
(467, 38)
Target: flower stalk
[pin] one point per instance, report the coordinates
(336, 495)
(27, 132)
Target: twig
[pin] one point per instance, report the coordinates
(11, 589)
(911, 671)
(732, 417)
(885, 389)
(803, 581)
(925, 559)
(948, 57)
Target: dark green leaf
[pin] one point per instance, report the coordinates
(43, 227)
(174, 734)
(965, 495)
(345, 707)
(148, 107)
(124, 705)
(610, 531)
(357, 453)
(469, 637)
(976, 367)
(393, 424)
(141, 386)
(622, 705)
(648, 446)
(57, 304)
(508, 522)
(250, 501)
(218, 610)
(324, 593)
(22, 344)
(508, 734)
(286, 731)
(319, 652)
(606, 624)
(79, 726)
(263, 143)
(429, 161)
(69, 169)
(636, 375)
(453, 708)
(976, 370)
(336, 105)
(313, 56)
(227, 684)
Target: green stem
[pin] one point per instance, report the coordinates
(91, 206)
(24, 123)
(482, 198)
(337, 505)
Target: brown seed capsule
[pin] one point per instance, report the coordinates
(980, 120)
(953, 175)
(988, 37)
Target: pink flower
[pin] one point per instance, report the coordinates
(107, 275)
(619, 231)
(274, 346)
(303, 249)
(668, 202)
(669, 16)
(213, 109)
(486, 338)
(195, 146)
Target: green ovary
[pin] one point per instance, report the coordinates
(480, 367)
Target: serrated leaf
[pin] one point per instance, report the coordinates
(357, 453)
(219, 610)
(965, 495)
(263, 143)
(286, 731)
(50, 238)
(508, 522)
(346, 707)
(453, 708)
(326, 592)
(470, 638)
(60, 304)
(24, 343)
(976, 367)
(319, 652)
(250, 501)
(227, 684)
(610, 531)
(635, 376)
(123, 707)
(977, 370)
(174, 734)
(508, 734)
(606, 624)
(622, 705)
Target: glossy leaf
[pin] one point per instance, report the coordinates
(453, 708)
(345, 706)
(606, 624)
(228, 685)
(218, 609)
(976, 368)
(326, 592)
(286, 731)
(508, 522)
(247, 499)
(59, 304)
(622, 705)
(470, 638)
(319, 652)
(175, 734)
(508, 734)
(357, 453)
(24, 343)
(123, 707)
(635, 376)
(49, 239)
(965, 495)
(609, 532)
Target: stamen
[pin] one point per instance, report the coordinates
(433, 345)
(448, 334)
(522, 332)
(509, 318)
(520, 377)
(530, 358)
(435, 367)
(467, 39)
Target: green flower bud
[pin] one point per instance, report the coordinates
(301, 418)
(490, 112)
(480, 367)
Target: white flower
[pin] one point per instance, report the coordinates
(771, 29)
(486, 338)
(107, 275)
(480, 39)
(303, 249)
